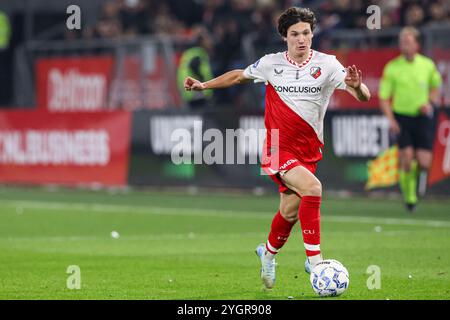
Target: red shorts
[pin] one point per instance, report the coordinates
(282, 162)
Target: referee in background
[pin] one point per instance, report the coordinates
(409, 90)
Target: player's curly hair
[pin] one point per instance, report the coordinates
(294, 15)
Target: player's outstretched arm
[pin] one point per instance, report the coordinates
(226, 80)
(355, 86)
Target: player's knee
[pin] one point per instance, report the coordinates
(424, 165)
(312, 189)
(289, 214)
(406, 163)
(316, 190)
(424, 159)
(405, 159)
(289, 210)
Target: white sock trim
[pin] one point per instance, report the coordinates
(271, 248)
(313, 260)
(312, 247)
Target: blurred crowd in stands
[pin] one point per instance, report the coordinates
(220, 25)
(232, 18)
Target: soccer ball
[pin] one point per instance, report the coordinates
(329, 278)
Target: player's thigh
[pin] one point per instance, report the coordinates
(289, 203)
(424, 158)
(302, 181)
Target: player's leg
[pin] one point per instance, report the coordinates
(424, 146)
(424, 158)
(280, 230)
(306, 184)
(283, 221)
(408, 176)
(407, 167)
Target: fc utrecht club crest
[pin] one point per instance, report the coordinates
(315, 72)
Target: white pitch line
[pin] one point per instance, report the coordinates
(165, 236)
(88, 207)
(389, 221)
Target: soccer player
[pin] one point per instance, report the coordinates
(412, 81)
(299, 84)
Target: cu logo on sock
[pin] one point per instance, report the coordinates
(308, 231)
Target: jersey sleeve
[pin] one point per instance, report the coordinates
(435, 78)
(257, 71)
(338, 74)
(386, 84)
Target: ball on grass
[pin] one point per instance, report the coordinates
(115, 235)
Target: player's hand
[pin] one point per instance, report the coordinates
(427, 110)
(193, 84)
(354, 77)
(394, 127)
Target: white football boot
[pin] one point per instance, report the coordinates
(267, 266)
(309, 265)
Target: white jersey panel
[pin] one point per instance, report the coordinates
(305, 88)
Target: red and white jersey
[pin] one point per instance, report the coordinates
(297, 97)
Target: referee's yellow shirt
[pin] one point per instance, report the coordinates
(409, 83)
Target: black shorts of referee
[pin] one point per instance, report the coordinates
(416, 132)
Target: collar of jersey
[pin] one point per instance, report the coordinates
(300, 65)
(403, 59)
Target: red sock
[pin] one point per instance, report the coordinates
(309, 216)
(279, 233)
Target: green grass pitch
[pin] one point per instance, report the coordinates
(180, 246)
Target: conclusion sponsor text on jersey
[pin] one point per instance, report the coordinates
(297, 89)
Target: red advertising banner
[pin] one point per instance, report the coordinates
(64, 148)
(440, 168)
(89, 84)
(73, 84)
(145, 83)
(371, 63)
